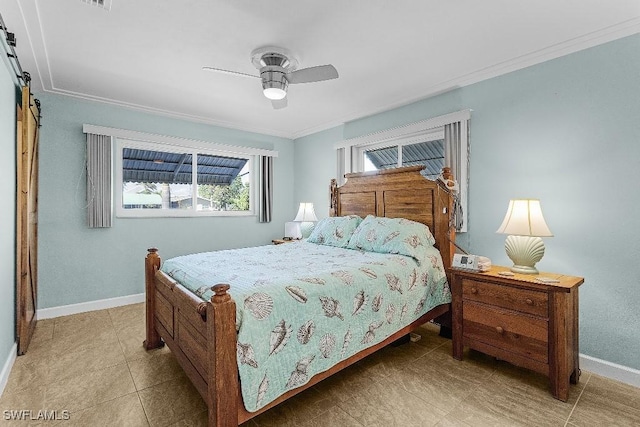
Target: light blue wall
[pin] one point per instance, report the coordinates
(8, 212)
(567, 132)
(313, 176)
(78, 264)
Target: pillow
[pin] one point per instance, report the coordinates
(392, 236)
(335, 231)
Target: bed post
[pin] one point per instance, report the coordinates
(151, 265)
(446, 245)
(448, 248)
(444, 222)
(333, 198)
(223, 386)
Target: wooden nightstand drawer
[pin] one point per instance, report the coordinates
(518, 333)
(524, 300)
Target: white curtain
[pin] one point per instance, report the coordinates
(265, 188)
(340, 166)
(452, 148)
(99, 210)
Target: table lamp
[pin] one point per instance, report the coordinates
(525, 225)
(306, 217)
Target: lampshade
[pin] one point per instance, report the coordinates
(524, 218)
(306, 213)
(525, 226)
(306, 217)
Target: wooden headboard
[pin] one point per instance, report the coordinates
(399, 193)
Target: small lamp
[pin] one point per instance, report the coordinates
(306, 217)
(525, 225)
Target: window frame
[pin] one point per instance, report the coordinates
(194, 150)
(350, 159)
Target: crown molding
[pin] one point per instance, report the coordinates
(172, 114)
(35, 36)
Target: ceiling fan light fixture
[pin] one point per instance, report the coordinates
(278, 69)
(274, 84)
(274, 93)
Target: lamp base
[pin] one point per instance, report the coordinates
(525, 252)
(306, 228)
(524, 269)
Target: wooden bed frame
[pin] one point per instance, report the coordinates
(202, 335)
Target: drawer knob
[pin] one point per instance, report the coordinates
(499, 330)
(529, 301)
(474, 291)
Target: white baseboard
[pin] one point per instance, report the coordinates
(65, 310)
(610, 370)
(6, 368)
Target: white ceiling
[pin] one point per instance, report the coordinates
(148, 54)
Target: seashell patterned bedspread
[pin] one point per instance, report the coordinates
(302, 308)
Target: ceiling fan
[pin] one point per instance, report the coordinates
(278, 69)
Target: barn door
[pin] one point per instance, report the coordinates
(27, 219)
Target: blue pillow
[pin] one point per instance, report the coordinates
(392, 236)
(335, 231)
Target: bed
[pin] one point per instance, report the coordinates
(203, 325)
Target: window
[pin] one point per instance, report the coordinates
(434, 143)
(164, 180)
(162, 175)
(429, 153)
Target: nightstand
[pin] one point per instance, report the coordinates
(521, 320)
(281, 241)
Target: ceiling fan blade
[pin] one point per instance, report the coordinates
(313, 74)
(279, 103)
(233, 73)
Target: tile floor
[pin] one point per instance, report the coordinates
(93, 365)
